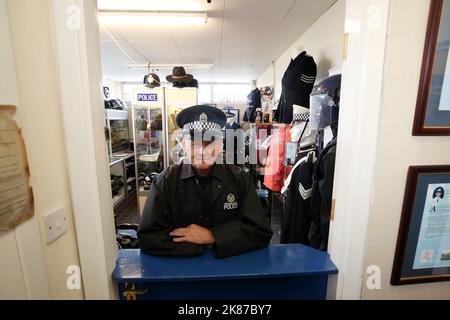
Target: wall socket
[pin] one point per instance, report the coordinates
(56, 224)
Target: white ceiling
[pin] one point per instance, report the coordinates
(241, 38)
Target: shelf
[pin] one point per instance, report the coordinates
(150, 157)
(131, 179)
(117, 187)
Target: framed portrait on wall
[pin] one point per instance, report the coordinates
(432, 116)
(423, 245)
(232, 110)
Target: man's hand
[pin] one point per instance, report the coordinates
(193, 234)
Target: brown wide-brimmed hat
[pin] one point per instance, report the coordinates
(179, 75)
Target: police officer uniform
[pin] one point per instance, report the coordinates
(297, 84)
(253, 103)
(225, 202)
(321, 199)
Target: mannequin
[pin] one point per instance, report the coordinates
(229, 134)
(297, 84)
(296, 51)
(300, 126)
(301, 130)
(254, 102)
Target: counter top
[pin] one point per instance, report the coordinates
(277, 261)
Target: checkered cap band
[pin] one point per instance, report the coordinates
(301, 117)
(201, 126)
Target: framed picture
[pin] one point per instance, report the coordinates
(236, 112)
(423, 245)
(432, 116)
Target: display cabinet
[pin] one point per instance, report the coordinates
(121, 157)
(123, 177)
(118, 131)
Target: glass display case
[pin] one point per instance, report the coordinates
(121, 157)
(149, 142)
(118, 130)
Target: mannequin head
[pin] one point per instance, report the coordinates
(300, 126)
(296, 51)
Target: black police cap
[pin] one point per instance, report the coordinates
(201, 118)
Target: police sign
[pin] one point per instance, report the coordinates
(147, 97)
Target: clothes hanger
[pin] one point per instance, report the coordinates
(312, 156)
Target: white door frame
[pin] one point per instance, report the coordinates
(78, 51)
(366, 26)
(77, 45)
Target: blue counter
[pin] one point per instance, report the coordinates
(276, 272)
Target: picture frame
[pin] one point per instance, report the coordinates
(432, 116)
(421, 254)
(236, 112)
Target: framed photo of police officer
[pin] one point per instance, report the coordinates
(432, 116)
(423, 245)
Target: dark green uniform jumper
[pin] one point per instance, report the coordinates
(225, 203)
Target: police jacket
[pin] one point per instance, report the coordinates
(322, 195)
(297, 210)
(253, 103)
(297, 85)
(237, 154)
(226, 204)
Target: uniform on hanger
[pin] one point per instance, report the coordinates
(297, 210)
(297, 85)
(275, 170)
(253, 103)
(322, 195)
(229, 133)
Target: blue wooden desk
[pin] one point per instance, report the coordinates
(277, 272)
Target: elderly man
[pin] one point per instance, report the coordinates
(201, 203)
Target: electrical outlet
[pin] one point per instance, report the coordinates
(55, 224)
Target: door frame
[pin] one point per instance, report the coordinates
(77, 46)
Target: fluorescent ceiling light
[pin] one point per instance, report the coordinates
(167, 66)
(151, 18)
(149, 5)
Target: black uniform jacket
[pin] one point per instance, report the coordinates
(227, 205)
(297, 211)
(297, 85)
(253, 103)
(322, 196)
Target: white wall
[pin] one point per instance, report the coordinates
(398, 149)
(376, 147)
(24, 273)
(361, 97)
(324, 41)
(30, 268)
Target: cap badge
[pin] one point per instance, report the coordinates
(231, 198)
(203, 118)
